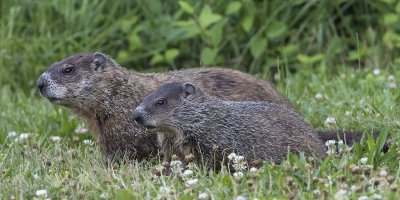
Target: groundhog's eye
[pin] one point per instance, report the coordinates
(68, 69)
(161, 102)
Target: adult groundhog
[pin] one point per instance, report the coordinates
(189, 121)
(97, 88)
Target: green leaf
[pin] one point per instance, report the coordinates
(247, 22)
(233, 7)
(310, 59)
(215, 33)
(157, 58)
(189, 28)
(186, 7)
(134, 41)
(390, 18)
(258, 46)
(276, 30)
(208, 55)
(171, 54)
(207, 18)
(398, 8)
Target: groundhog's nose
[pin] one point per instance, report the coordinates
(138, 115)
(41, 83)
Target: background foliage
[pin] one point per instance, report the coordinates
(253, 36)
(332, 49)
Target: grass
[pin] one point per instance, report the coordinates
(358, 99)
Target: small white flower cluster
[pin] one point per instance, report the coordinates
(331, 144)
(55, 139)
(186, 175)
(88, 142)
(164, 192)
(238, 162)
(376, 72)
(22, 136)
(41, 193)
(81, 129)
(319, 96)
(203, 196)
(330, 121)
(364, 160)
(176, 166)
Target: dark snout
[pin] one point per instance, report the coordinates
(41, 84)
(138, 115)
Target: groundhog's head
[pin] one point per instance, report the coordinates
(155, 109)
(74, 79)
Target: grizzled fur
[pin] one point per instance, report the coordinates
(97, 88)
(190, 121)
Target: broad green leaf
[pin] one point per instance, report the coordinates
(390, 18)
(276, 29)
(207, 18)
(189, 28)
(186, 7)
(208, 55)
(215, 32)
(247, 22)
(258, 46)
(171, 54)
(134, 41)
(290, 49)
(233, 7)
(157, 58)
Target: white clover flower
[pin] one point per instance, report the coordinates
(318, 96)
(80, 129)
(376, 71)
(376, 196)
(238, 175)
(253, 170)
(175, 163)
(176, 166)
(317, 192)
(88, 142)
(55, 139)
(348, 113)
(232, 156)
(240, 197)
(35, 176)
(191, 182)
(164, 192)
(104, 196)
(203, 196)
(41, 193)
(11, 134)
(340, 142)
(188, 172)
(330, 143)
(341, 194)
(391, 78)
(383, 172)
(23, 136)
(240, 158)
(364, 160)
(392, 85)
(363, 198)
(330, 121)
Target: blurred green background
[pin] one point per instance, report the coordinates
(259, 37)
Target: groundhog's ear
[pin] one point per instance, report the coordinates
(99, 61)
(188, 89)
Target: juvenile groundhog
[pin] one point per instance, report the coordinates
(97, 88)
(189, 121)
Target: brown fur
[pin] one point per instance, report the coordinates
(189, 121)
(97, 88)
